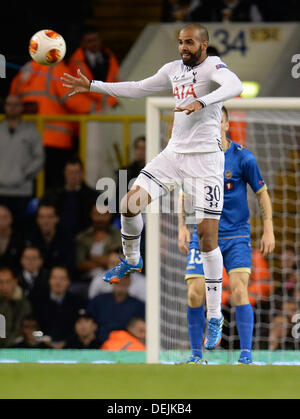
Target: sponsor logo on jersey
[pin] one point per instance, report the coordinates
(229, 186)
(183, 92)
(221, 66)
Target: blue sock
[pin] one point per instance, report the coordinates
(196, 326)
(245, 324)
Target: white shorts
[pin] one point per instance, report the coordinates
(201, 175)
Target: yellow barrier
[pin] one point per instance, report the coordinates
(126, 120)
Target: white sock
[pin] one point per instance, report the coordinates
(131, 230)
(213, 271)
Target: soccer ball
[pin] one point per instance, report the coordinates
(47, 47)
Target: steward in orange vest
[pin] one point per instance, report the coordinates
(96, 63)
(120, 340)
(40, 88)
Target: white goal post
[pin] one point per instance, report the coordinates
(153, 134)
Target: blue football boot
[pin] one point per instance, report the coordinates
(245, 360)
(115, 275)
(213, 333)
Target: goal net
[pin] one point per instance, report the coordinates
(270, 128)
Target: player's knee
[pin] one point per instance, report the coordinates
(240, 294)
(208, 243)
(195, 297)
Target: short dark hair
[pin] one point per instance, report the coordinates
(138, 139)
(63, 267)
(225, 112)
(30, 247)
(47, 203)
(203, 32)
(213, 51)
(88, 30)
(74, 160)
(132, 322)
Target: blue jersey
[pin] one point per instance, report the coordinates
(240, 168)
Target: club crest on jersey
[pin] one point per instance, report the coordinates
(228, 174)
(183, 92)
(221, 66)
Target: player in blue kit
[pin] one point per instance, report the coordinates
(235, 243)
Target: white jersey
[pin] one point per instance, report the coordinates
(198, 132)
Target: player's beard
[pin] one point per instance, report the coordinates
(193, 58)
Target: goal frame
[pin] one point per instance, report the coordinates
(153, 107)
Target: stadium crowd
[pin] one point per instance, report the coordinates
(230, 11)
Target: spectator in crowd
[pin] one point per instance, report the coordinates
(137, 288)
(186, 10)
(212, 51)
(11, 241)
(212, 11)
(280, 335)
(75, 199)
(296, 292)
(114, 311)
(96, 62)
(43, 93)
(33, 278)
(55, 244)
(236, 11)
(13, 306)
(85, 333)
(21, 159)
(94, 244)
(132, 339)
(227, 11)
(289, 269)
(57, 311)
(289, 309)
(280, 11)
(278, 332)
(29, 338)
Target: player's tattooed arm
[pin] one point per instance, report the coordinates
(268, 238)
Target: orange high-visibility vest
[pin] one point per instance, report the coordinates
(42, 85)
(120, 340)
(77, 61)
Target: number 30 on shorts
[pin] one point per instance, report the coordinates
(213, 195)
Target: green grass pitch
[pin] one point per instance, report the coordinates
(123, 381)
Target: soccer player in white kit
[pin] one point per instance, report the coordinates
(193, 157)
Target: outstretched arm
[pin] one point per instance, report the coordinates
(81, 84)
(268, 240)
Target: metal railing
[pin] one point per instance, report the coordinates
(126, 120)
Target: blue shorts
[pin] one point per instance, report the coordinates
(237, 255)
